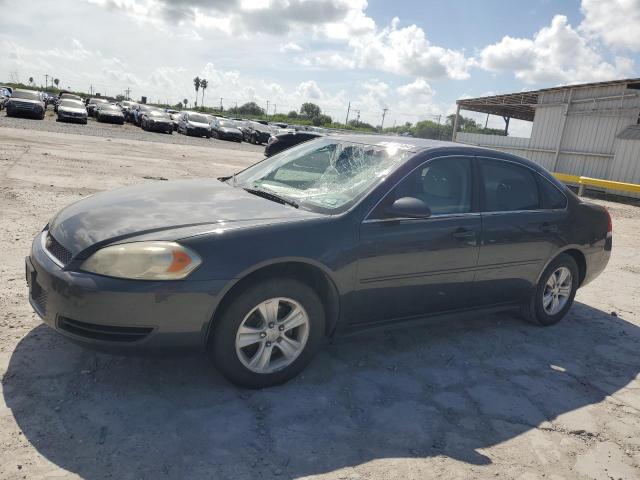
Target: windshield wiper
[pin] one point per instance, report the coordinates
(271, 196)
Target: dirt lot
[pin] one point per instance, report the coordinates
(488, 397)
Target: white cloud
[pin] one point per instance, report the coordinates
(616, 22)
(418, 89)
(309, 90)
(290, 47)
(557, 53)
(407, 51)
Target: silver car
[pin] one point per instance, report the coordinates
(72, 111)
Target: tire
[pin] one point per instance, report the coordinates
(242, 309)
(534, 309)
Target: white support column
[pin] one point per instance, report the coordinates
(455, 125)
(564, 123)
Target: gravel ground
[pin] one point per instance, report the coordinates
(127, 131)
(487, 397)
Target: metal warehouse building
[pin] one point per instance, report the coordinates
(590, 130)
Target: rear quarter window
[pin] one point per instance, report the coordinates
(551, 197)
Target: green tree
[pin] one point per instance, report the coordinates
(321, 120)
(292, 114)
(196, 85)
(203, 84)
(56, 81)
(310, 110)
(249, 108)
(185, 101)
(30, 80)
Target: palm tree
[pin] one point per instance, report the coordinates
(56, 81)
(30, 80)
(185, 101)
(196, 84)
(203, 84)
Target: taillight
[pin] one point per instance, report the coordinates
(610, 224)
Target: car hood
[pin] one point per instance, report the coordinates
(159, 207)
(230, 130)
(71, 109)
(199, 125)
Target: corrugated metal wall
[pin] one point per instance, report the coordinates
(589, 146)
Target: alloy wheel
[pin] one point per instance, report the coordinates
(272, 335)
(557, 291)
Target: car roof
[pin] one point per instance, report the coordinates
(414, 144)
(418, 145)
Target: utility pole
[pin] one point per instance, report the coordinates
(267, 110)
(346, 121)
(384, 113)
(221, 98)
(46, 81)
(358, 117)
(274, 109)
(128, 92)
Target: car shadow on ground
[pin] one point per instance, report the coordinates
(449, 388)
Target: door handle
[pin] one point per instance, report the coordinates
(463, 233)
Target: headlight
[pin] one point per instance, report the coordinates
(144, 261)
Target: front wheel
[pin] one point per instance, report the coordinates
(554, 294)
(268, 333)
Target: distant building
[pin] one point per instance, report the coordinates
(590, 130)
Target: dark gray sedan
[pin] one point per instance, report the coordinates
(25, 103)
(334, 235)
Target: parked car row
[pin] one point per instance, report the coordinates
(277, 136)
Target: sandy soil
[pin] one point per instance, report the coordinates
(487, 397)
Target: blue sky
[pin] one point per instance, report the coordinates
(413, 57)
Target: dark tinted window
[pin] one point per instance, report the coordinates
(550, 195)
(443, 184)
(508, 187)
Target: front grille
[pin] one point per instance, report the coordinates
(39, 296)
(107, 333)
(57, 250)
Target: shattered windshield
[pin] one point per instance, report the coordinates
(325, 175)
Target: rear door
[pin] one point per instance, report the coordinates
(519, 230)
(419, 266)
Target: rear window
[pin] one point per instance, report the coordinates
(196, 117)
(508, 187)
(25, 94)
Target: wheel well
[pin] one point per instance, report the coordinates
(578, 256)
(305, 273)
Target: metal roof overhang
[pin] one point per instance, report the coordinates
(522, 105)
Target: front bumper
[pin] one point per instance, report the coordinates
(109, 313)
(66, 117)
(198, 132)
(21, 109)
(112, 118)
(160, 127)
(236, 137)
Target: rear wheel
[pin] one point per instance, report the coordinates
(554, 294)
(268, 334)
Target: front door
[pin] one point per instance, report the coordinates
(414, 267)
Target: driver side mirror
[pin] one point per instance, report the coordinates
(408, 207)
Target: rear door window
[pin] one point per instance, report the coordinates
(507, 187)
